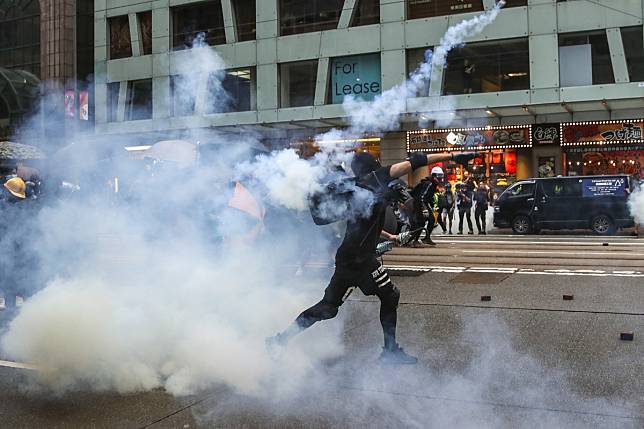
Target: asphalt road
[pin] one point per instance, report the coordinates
(524, 359)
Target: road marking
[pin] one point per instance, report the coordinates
(18, 365)
(559, 252)
(513, 270)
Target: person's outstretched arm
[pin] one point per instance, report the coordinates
(419, 159)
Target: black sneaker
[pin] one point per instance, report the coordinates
(470, 233)
(396, 356)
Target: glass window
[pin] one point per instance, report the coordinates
(521, 189)
(305, 16)
(245, 19)
(236, 90)
(139, 100)
(428, 8)
(183, 90)
(366, 12)
(488, 67)
(20, 50)
(145, 32)
(416, 57)
(297, 83)
(562, 188)
(112, 100)
(633, 41)
(120, 41)
(514, 3)
(584, 59)
(191, 20)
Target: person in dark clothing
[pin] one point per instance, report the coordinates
(356, 264)
(12, 203)
(446, 204)
(417, 219)
(482, 199)
(464, 205)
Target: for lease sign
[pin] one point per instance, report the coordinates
(358, 75)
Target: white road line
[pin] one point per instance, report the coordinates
(551, 252)
(511, 270)
(18, 365)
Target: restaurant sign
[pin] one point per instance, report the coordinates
(602, 132)
(545, 134)
(483, 138)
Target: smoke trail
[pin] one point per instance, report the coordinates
(384, 112)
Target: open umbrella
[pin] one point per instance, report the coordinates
(19, 152)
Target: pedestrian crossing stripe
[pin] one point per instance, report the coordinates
(512, 270)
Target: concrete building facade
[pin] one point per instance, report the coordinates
(541, 61)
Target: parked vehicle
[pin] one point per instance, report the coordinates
(598, 203)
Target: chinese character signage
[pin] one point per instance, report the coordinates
(83, 102)
(598, 187)
(470, 138)
(545, 134)
(602, 132)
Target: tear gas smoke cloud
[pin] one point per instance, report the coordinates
(156, 289)
(384, 112)
(636, 205)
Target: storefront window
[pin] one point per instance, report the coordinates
(584, 59)
(305, 16)
(20, 36)
(488, 67)
(633, 41)
(194, 19)
(139, 100)
(145, 30)
(232, 92)
(429, 8)
(112, 100)
(366, 12)
(297, 83)
(120, 41)
(589, 161)
(416, 57)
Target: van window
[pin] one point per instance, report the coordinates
(562, 188)
(521, 189)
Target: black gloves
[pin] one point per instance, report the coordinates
(464, 157)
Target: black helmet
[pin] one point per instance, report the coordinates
(364, 163)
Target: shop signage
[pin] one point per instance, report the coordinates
(596, 187)
(545, 134)
(602, 132)
(358, 76)
(483, 138)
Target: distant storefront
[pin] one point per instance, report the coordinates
(501, 148)
(603, 147)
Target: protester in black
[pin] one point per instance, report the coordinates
(464, 204)
(482, 198)
(356, 261)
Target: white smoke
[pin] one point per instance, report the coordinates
(148, 291)
(636, 205)
(383, 113)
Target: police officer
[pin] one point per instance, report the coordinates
(356, 264)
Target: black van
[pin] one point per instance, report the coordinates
(575, 202)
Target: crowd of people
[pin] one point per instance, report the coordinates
(436, 201)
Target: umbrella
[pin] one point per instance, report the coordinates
(18, 151)
(179, 151)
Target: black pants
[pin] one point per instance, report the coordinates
(479, 217)
(340, 287)
(467, 213)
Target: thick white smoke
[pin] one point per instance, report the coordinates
(160, 289)
(636, 206)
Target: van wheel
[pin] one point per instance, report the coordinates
(521, 225)
(603, 225)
